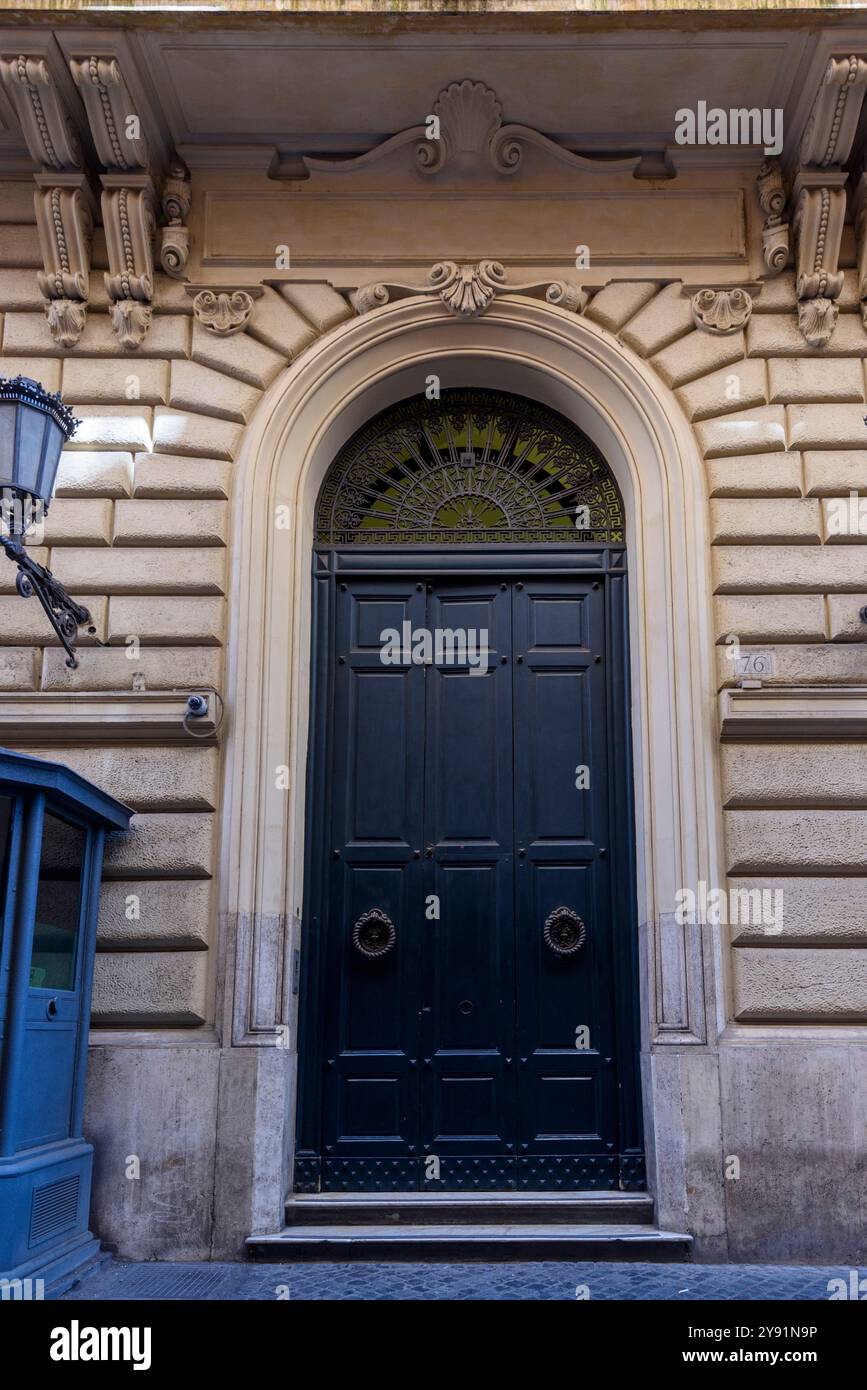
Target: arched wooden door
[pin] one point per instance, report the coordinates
(469, 998)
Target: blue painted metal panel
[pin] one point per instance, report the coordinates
(53, 847)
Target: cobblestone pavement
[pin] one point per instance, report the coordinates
(526, 1280)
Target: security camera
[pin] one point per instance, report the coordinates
(197, 706)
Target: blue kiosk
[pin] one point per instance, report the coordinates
(53, 825)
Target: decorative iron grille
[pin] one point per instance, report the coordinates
(475, 467)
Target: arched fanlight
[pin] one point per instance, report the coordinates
(472, 467)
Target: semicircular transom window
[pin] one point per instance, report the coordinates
(476, 467)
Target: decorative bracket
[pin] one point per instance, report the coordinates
(63, 201)
(64, 221)
(176, 200)
(128, 215)
(859, 217)
(115, 124)
(467, 290)
(465, 129)
(819, 195)
(127, 196)
(45, 123)
(63, 613)
(775, 233)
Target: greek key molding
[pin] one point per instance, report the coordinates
(467, 290)
(470, 133)
(721, 311)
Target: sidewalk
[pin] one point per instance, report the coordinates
(552, 1280)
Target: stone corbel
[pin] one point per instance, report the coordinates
(176, 200)
(819, 195)
(859, 217)
(63, 200)
(775, 232)
(820, 209)
(64, 220)
(116, 125)
(45, 123)
(128, 215)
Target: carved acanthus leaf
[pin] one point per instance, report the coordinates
(817, 319)
(223, 312)
(467, 290)
(47, 128)
(721, 311)
(66, 320)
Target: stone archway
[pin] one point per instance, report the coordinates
(359, 368)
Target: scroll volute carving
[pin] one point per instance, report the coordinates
(176, 200)
(50, 135)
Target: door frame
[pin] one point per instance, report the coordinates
(606, 563)
(352, 372)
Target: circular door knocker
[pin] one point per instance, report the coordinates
(564, 932)
(374, 934)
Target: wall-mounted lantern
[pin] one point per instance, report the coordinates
(53, 825)
(34, 426)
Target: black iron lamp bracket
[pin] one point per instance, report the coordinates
(63, 613)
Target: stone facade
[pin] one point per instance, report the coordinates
(173, 374)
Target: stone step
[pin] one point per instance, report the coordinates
(470, 1242)
(477, 1208)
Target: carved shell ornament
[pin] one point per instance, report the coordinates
(223, 313)
(468, 290)
(468, 130)
(721, 311)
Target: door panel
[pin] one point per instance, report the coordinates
(567, 1095)
(457, 805)
(370, 1103)
(468, 1009)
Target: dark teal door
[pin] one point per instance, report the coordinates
(468, 1011)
